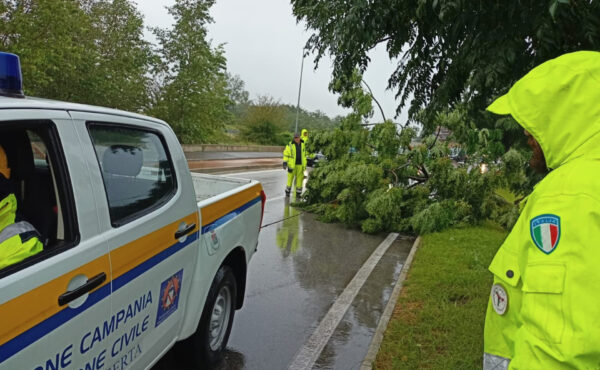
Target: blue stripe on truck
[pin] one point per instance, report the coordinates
(224, 219)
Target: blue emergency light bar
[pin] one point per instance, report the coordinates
(11, 80)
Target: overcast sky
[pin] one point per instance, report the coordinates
(263, 45)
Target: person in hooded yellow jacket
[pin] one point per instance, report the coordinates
(18, 239)
(294, 160)
(310, 157)
(304, 136)
(544, 305)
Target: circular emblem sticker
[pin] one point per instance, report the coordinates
(499, 299)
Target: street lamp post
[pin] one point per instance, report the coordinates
(299, 91)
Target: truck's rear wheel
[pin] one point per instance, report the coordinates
(210, 339)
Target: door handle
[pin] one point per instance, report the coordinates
(181, 233)
(91, 284)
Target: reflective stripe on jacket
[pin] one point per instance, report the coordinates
(289, 154)
(17, 240)
(546, 271)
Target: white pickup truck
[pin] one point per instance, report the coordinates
(138, 253)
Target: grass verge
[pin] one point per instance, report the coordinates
(438, 320)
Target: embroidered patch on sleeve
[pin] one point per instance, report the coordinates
(545, 232)
(499, 299)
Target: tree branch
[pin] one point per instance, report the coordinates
(424, 170)
(404, 165)
(396, 176)
(373, 96)
(384, 39)
(437, 135)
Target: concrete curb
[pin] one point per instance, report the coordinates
(235, 169)
(189, 158)
(230, 148)
(367, 363)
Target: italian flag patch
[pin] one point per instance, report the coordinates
(545, 232)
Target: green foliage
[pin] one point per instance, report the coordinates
(89, 52)
(120, 79)
(238, 95)
(448, 51)
(307, 120)
(439, 216)
(383, 210)
(192, 91)
(384, 140)
(94, 52)
(262, 123)
(32, 29)
(266, 121)
(453, 59)
(239, 101)
(381, 179)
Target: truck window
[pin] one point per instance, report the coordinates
(38, 181)
(136, 169)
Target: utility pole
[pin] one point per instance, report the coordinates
(299, 91)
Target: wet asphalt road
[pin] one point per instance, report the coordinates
(301, 268)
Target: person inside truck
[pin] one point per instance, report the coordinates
(18, 238)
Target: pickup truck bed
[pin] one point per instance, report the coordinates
(209, 186)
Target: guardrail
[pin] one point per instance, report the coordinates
(230, 148)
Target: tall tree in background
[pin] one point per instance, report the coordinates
(53, 40)
(94, 52)
(123, 56)
(267, 121)
(88, 51)
(311, 121)
(239, 98)
(237, 90)
(263, 122)
(191, 93)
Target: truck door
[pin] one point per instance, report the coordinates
(151, 223)
(54, 303)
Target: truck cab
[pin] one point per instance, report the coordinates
(138, 253)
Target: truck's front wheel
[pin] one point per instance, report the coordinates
(210, 339)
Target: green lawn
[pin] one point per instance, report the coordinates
(438, 320)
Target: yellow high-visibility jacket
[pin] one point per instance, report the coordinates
(544, 307)
(18, 240)
(305, 140)
(302, 137)
(289, 154)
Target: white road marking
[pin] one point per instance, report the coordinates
(309, 353)
(274, 199)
